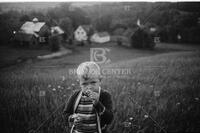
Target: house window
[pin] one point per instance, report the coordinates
(41, 39)
(156, 39)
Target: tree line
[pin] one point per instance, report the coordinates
(170, 19)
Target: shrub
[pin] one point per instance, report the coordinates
(142, 39)
(54, 42)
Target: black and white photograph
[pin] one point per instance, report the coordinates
(99, 66)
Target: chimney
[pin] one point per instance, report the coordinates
(35, 20)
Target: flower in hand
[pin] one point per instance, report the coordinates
(93, 95)
(75, 118)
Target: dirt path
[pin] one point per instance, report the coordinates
(11, 56)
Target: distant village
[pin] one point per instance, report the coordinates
(35, 33)
(122, 23)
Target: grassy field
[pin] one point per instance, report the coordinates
(162, 85)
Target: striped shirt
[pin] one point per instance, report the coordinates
(88, 124)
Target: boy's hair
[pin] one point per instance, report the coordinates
(88, 70)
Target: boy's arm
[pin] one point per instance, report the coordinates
(104, 108)
(68, 110)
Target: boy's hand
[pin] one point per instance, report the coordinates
(75, 118)
(93, 95)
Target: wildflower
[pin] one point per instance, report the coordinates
(49, 86)
(132, 86)
(59, 87)
(178, 103)
(73, 84)
(131, 118)
(64, 95)
(42, 93)
(127, 124)
(189, 108)
(151, 86)
(54, 89)
(68, 88)
(197, 99)
(146, 116)
(156, 93)
(63, 78)
(138, 83)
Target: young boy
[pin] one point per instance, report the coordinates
(89, 109)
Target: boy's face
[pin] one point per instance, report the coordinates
(91, 84)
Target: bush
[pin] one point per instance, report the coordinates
(142, 39)
(54, 42)
(190, 35)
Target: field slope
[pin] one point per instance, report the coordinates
(166, 86)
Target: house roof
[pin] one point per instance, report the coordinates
(87, 28)
(129, 32)
(103, 34)
(35, 20)
(31, 27)
(57, 29)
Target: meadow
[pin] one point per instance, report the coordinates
(159, 94)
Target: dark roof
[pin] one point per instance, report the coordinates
(103, 34)
(130, 31)
(87, 28)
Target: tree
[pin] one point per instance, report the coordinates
(66, 25)
(9, 22)
(103, 23)
(24, 18)
(142, 39)
(79, 17)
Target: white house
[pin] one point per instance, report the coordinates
(101, 37)
(57, 30)
(82, 33)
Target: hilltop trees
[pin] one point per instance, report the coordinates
(9, 22)
(103, 23)
(66, 25)
(24, 18)
(179, 18)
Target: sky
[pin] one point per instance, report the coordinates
(95, 0)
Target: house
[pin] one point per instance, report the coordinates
(118, 31)
(56, 30)
(101, 37)
(83, 32)
(33, 32)
(125, 37)
(127, 34)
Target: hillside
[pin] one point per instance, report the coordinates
(165, 85)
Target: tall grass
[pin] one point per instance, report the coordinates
(165, 86)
